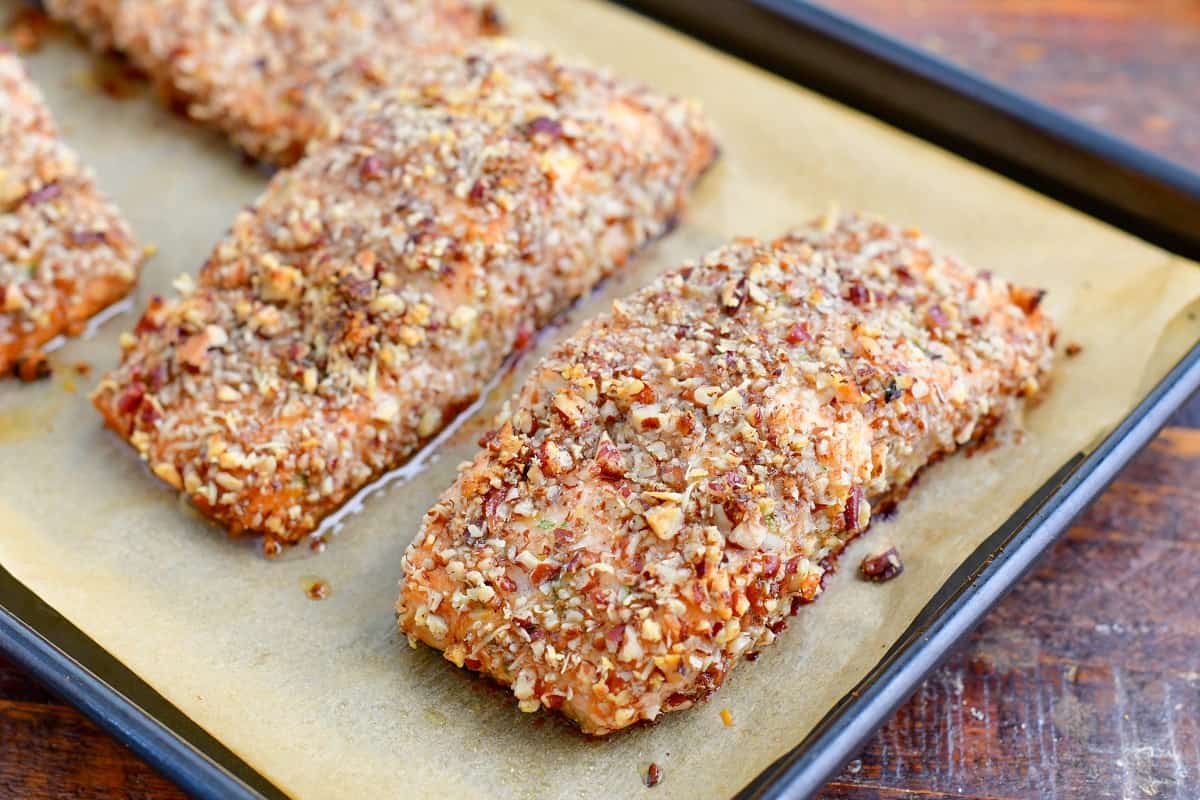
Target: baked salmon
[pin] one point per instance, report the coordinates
(376, 286)
(679, 476)
(65, 250)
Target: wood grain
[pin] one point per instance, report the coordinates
(49, 751)
(1128, 66)
(1085, 681)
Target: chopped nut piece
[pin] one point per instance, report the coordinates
(631, 648)
(669, 662)
(646, 417)
(387, 303)
(847, 391)
(463, 317)
(229, 482)
(857, 514)
(281, 283)
(568, 405)
(168, 473)
(32, 367)
(194, 351)
(524, 684)
(1026, 299)
(386, 409)
(310, 379)
(664, 520)
(629, 387)
(731, 399)
(748, 535)
(880, 567)
(733, 295)
(608, 458)
(227, 394)
(431, 422)
(184, 284)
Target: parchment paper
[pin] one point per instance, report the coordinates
(324, 698)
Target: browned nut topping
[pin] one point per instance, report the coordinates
(608, 458)
(654, 775)
(1074, 349)
(32, 367)
(1027, 299)
(568, 405)
(65, 251)
(635, 563)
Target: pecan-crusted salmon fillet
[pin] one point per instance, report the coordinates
(270, 73)
(375, 287)
(65, 251)
(675, 479)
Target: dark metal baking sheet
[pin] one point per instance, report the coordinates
(1074, 163)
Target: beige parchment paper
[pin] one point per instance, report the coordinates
(324, 698)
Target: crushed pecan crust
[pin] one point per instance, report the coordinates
(273, 74)
(677, 478)
(376, 286)
(65, 251)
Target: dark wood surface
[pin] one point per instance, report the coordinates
(1085, 681)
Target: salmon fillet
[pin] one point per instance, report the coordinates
(271, 75)
(65, 251)
(678, 477)
(376, 286)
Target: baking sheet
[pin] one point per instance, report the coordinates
(324, 698)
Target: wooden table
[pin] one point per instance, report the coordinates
(1085, 681)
